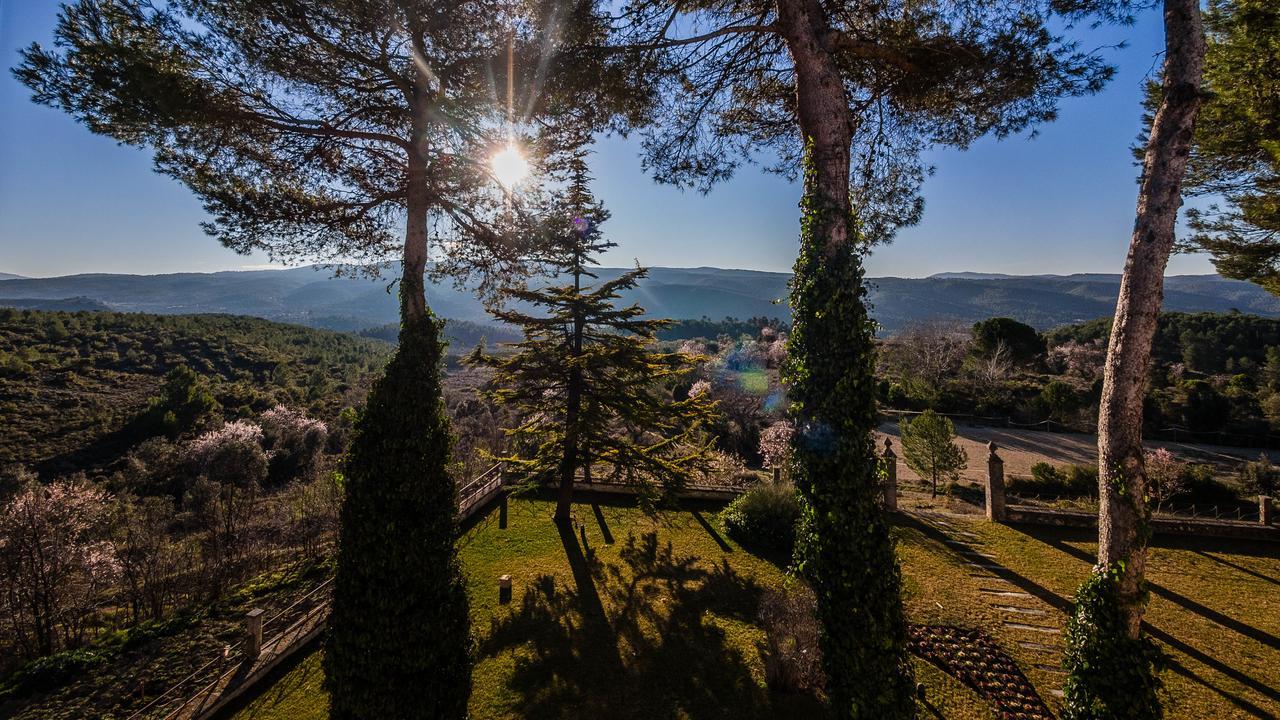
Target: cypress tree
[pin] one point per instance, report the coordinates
(398, 644)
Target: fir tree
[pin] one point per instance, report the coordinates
(586, 380)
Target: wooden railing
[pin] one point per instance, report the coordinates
(194, 694)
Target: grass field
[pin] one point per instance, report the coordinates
(656, 618)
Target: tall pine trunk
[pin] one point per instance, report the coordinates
(1111, 665)
(844, 549)
(1123, 514)
(413, 297)
(399, 639)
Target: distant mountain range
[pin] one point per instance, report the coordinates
(311, 296)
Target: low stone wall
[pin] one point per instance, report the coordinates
(1020, 514)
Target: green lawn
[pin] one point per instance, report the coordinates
(656, 618)
(1214, 609)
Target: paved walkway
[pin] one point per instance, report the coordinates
(1034, 623)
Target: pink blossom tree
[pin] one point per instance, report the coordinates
(775, 444)
(55, 563)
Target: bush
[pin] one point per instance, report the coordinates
(764, 518)
(1068, 481)
(1045, 474)
(792, 659)
(1202, 487)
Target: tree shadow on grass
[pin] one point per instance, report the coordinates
(1057, 538)
(636, 639)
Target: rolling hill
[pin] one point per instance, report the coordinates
(311, 296)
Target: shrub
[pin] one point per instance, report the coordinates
(792, 659)
(1043, 473)
(764, 518)
(1068, 481)
(1259, 477)
(295, 442)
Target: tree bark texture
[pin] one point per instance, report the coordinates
(413, 297)
(822, 106)
(1122, 512)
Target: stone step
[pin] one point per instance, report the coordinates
(1049, 668)
(975, 553)
(1019, 610)
(1038, 646)
(1004, 593)
(1057, 693)
(1032, 628)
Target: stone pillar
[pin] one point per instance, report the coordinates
(1264, 510)
(777, 475)
(504, 589)
(253, 632)
(502, 512)
(995, 485)
(890, 477)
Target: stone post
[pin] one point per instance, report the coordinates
(504, 589)
(890, 477)
(1264, 510)
(777, 475)
(253, 632)
(502, 512)
(995, 485)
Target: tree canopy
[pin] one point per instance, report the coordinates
(1236, 154)
(929, 447)
(312, 131)
(932, 73)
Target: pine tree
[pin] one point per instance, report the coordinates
(929, 447)
(1236, 155)
(858, 90)
(586, 380)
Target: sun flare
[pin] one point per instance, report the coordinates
(509, 166)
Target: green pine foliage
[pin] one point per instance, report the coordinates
(1236, 155)
(929, 447)
(399, 641)
(1111, 676)
(587, 384)
(843, 548)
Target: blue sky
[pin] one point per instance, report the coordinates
(72, 202)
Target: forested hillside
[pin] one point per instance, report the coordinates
(312, 296)
(76, 389)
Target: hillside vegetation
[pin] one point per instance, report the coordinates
(313, 296)
(74, 386)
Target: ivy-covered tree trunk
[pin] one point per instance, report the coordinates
(845, 551)
(399, 639)
(1110, 664)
